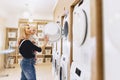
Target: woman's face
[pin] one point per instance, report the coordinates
(27, 30)
(33, 31)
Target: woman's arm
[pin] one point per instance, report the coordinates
(46, 39)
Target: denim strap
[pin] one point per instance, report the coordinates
(21, 43)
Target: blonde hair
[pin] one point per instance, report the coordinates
(21, 32)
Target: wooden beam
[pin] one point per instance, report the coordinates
(62, 18)
(99, 37)
(71, 30)
(71, 34)
(75, 2)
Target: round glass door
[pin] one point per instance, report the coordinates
(53, 31)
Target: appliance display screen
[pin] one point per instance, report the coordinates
(78, 72)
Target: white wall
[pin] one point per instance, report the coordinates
(12, 20)
(2, 41)
(112, 39)
(2, 37)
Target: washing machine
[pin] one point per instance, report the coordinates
(64, 68)
(54, 62)
(80, 25)
(57, 64)
(81, 35)
(77, 71)
(65, 42)
(65, 59)
(65, 26)
(58, 56)
(80, 32)
(65, 62)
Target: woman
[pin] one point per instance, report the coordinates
(34, 38)
(26, 49)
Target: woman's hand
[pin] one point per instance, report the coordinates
(46, 39)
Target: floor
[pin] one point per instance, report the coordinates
(43, 71)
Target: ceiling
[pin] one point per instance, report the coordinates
(12, 10)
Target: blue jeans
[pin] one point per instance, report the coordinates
(28, 69)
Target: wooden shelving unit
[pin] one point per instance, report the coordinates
(11, 40)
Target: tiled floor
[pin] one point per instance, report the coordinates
(43, 71)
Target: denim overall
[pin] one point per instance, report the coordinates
(28, 69)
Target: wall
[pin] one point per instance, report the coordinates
(2, 41)
(62, 5)
(112, 39)
(12, 21)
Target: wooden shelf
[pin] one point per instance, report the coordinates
(11, 39)
(13, 56)
(40, 56)
(41, 39)
(40, 31)
(48, 47)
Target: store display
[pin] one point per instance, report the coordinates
(11, 34)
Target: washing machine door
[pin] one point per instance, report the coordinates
(80, 26)
(53, 31)
(62, 73)
(65, 27)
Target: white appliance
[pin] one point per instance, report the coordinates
(58, 57)
(77, 71)
(53, 61)
(81, 42)
(64, 68)
(80, 25)
(65, 26)
(80, 32)
(65, 42)
(65, 59)
(57, 64)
